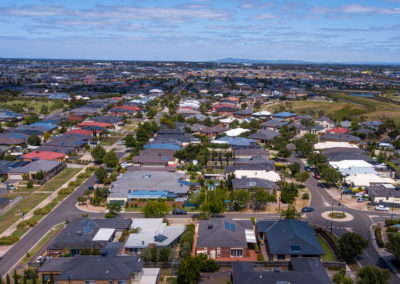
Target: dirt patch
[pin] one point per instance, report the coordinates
(90, 208)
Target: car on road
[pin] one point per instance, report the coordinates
(307, 168)
(307, 209)
(317, 175)
(10, 187)
(90, 187)
(361, 199)
(277, 159)
(179, 212)
(381, 208)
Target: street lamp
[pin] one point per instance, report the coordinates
(392, 195)
(332, 217)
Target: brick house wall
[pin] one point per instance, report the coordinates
(224, 251)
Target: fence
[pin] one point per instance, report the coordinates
(329, 240)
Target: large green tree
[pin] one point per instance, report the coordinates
(98, 154)
(155, 209)
(351, 245)
(393, 244)
(34, 140)
(291, 213)
(111, 159)
(261, 198)
(240, 199)
(101, 173)
(370, 274)
(330, 175)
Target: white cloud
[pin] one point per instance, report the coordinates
(265, 16)
(355, 9)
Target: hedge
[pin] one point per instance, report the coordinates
(8, 240)
(391, 222)
(378, 236)
(392, 229)
(42, 211)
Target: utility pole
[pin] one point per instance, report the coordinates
(392, 194)
(332, 217)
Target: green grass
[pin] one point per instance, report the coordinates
(36, 105)
(41, 243)
(329, 255)
(25, 205)
(59, 179)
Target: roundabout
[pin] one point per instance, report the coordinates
(337, 216)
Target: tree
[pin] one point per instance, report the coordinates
(188, 271)
(370, 274)
(340, 278)
(40, 175)
(130, 141)
(44, 109)
(98, 154)
(151, 112)
(101, 173)
(165, 254)
(330, 175)
(31, 119)
(261, 198)
(8, 279)
(81, 199)
(290, 213)
(316, 159)
(155, 209)
(15, 277)
(214, 206)
(284, 153)
(393, 245)
(46, 136)
(294, 168)
(351, 245)
(34, 140)
(111, 159)
(113, 209)
(303, 146)
(240, 199)
(207, 122)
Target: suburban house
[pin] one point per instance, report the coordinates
(325, 122)
(337, 137)
(301, 270)
(50, 168)
(87, 234)
(284, 115)
(134, 185)
(264, 136)
(248, 183)
(261, 171)
(155, 158)
(250, 152)
(44, 155)
(226, 239)
(152, 232)
(104, 268)
(286, 239)
(384, 194)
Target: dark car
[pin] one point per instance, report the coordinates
(347, 191)
(90, 188)
(307, 168)
(301, 155)
(277, 159)
(179, 212)
(307, 209)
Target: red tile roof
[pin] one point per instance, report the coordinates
(81, 132)
(44, 155)
(338, 130)
(134, 108)
(94, 123)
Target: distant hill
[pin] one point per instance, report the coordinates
(255, 61)
(242, 60)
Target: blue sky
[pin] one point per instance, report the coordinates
(319, 31)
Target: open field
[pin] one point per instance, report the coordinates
(33, 105)
(347, 107)
(60, 179)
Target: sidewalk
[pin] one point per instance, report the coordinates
(42, 204)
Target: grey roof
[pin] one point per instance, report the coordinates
(290, 237)
(340, 154)
(247, 183)
(94, 267)
(107, 119)
(152, 180)
(340, 137)
(214, 233)
(305, 270)
(247, 167)
(214, 129)
(265, 134)
(79, 232)
(251, 152)
(324, 118)
(36, 166)
(314, 128)
(381, 191)
(255, 160)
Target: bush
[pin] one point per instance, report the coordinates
(392, 230)
(306, 196)
(378, 236)
(390, 222)
(302, 176)
(66, 191)
(27, 223)
(210, 266)
(42, 211)
(8, 240)
(253, 220)
(260, 257)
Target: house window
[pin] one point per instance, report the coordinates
(236, 252)
(205, 251)
(110, 282)
(121, 281)
(218, 252)
(281, 257)
(89, 282)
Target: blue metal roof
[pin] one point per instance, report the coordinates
(163, 146)
(48, 126)
(284, 114)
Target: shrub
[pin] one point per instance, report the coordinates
(302, 176)
(27, 223)
(210, 266)
(42, 211)
(66, 191)
(253, 220)
(392, 230)
(8, 240)
(390, 222)
(306, 196)
(260, 257)
(378, 236)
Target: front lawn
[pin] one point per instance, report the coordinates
(60, 179)
(329, 254)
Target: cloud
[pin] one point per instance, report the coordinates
(33, 11)
(355, 9)
(369, 29)
(265, 16)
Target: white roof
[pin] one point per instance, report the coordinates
(262, 174)
(363, 180)
(104, 234)
(149, 276)
(345, 164)
(236, 131)
(250, 236)
(262, 113)
(329, 144)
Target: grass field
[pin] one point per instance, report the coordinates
(59, 179)
(33, 105)
(329, 255)
(25, 205)
(347, 107)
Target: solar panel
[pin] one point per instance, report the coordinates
(230, 226)
(160, 238)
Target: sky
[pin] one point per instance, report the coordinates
(202, 30)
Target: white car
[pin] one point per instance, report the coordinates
(360, 194)
(125, 165)
(381, 208)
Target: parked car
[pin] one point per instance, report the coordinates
(307, 168)
(301, 155)
(10, 187)
(317, 175)
(307, 209)
(179, 212)
(361, 194)
(361, 199)
(347, 191)
(381, 208)
(125, 165)
(90, 187)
